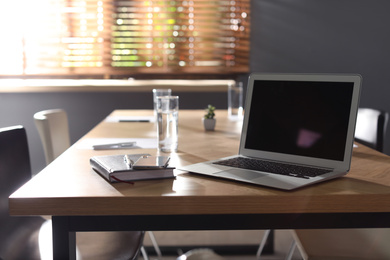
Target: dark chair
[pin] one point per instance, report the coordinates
(18, 235)
(30, 237)
(371, 127)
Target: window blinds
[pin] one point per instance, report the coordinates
(125, 37)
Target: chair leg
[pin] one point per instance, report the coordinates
(144, 254)
(292, 249)
(262, 244)
(155, 244)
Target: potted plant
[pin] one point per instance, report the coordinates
(208, 119)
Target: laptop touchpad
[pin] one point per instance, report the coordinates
(241, 174)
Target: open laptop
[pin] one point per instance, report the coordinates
(301, 125)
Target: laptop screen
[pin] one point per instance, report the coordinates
(304, 118)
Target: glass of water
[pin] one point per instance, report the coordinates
(235, 100)
(158, 93)
(167, 123)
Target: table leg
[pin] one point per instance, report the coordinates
(64, 241)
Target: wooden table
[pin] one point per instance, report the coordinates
(78, 199)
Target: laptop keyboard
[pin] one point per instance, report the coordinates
(273, 167)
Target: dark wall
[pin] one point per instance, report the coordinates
(326, 36)
(316, 36)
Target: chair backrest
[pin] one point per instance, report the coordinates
(53, 128)
(15, 170)
(371, 127)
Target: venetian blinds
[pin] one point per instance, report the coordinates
(115, 37)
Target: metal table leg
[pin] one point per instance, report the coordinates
(64, 241)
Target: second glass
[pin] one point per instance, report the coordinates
(158, 93)
(167, 123)
(235, 96)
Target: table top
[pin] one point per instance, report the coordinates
(69, 186)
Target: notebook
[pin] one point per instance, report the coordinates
(295, 122)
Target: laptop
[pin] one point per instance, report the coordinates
(298, 129)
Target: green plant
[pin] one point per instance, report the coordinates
(210, 112)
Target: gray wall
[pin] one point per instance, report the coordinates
(326, 36)
(316, 36)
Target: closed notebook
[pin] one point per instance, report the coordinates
(115, 169)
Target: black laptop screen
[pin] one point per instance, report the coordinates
(300, 118)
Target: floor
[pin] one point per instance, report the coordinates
(282, 243)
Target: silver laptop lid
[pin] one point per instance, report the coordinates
(301, 118)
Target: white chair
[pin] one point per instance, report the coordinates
(53, 128)
(370, 130)
(371, 127)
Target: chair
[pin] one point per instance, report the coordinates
(343, 244)
(53, 128)
(18, 235)
(371, 127)
(352, 243)
(30, 237)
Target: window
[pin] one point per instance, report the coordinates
(124, 37)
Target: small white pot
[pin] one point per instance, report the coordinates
(209, 124)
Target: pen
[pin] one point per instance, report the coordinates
(135, 120)
(113, 145)
(128, 161)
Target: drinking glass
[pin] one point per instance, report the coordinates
(157, 93)
(167, 123)
(235, 100)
